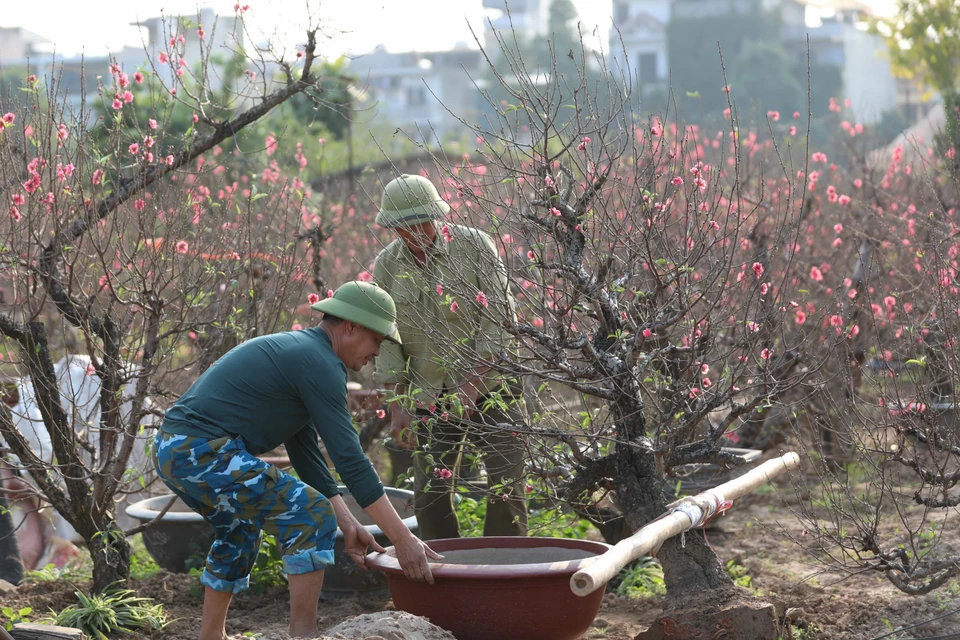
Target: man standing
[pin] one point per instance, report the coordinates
(452, 297)
(285, 388)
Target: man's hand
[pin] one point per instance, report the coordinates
(408, 549)
(412, 554)
(400, 430)
(356, 540)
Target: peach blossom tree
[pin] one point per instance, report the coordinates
(149, 251)
(693, 289)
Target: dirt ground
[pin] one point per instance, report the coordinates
(858, 608)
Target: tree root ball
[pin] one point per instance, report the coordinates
(740, 618)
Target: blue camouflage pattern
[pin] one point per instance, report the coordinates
(241, 496)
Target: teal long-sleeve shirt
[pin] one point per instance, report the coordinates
(285, 388)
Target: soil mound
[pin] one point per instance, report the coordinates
(387, 625)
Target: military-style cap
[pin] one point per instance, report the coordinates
(365, 304)
(410, 200)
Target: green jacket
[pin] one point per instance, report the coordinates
(442, 341)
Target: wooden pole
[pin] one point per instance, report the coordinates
(652, 535)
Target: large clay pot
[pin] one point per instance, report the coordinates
(180, 540)
(500, 588)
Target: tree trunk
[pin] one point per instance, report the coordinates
(110, 551)
(689, 565)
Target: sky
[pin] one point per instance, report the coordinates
(97, 26)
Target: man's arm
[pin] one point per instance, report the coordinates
(411, 552)
(325, 395)
(356, 538)
(324, 392)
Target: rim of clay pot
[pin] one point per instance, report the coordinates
(389, 564)
(149, 508)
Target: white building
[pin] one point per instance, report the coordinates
(638, 42)
(17, 45)
(414, 90)
(80, 75)
(838, 35)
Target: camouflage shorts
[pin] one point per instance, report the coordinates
(241, 496)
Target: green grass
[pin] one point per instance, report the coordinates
(640, 579)
(142, 566)
(109, 614)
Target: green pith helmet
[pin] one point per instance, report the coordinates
(364, 304)
(410, 200)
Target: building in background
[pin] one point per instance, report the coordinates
(422, 90)
(417, 91)
(638, 42)
(17, 45)
(80, 75)
(223, 38)
(836, 28)
(838, 35)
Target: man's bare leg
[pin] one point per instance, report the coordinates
(214, 623)
(304, 596)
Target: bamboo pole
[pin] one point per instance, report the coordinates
(684, 515)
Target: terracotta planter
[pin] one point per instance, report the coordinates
(500, 588)
(181, 539)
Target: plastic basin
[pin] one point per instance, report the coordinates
(500, 588)
(180, 540)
